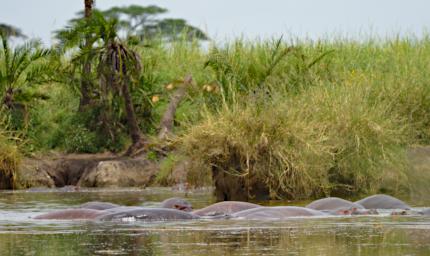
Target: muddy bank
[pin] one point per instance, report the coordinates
(86, 170)
(106, 170)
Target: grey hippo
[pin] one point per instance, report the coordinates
(381, 201)
(173, 203)
(147, 214)
(339, 206)
(94, 205)
(91, 210)
(71, 214)
(333, 203)
(225, 208)
(426, 212)
(177, 203)
(277, 212)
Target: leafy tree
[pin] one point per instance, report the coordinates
(7, 31)
(86, 68)
(117, 66)
(142, 21)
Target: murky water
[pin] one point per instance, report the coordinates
(21, 235)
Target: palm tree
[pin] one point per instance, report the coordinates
(7, 31)
(20, 69)
(86, 68)
(118, 67)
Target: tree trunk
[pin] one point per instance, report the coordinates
(86, 69)
(134, 130)
(166, 124)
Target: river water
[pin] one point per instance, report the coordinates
(358, 235)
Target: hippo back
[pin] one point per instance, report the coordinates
(225, 208)
(426, 212)
(382, 202)
(98, 205)
(147, 214)
(278, 212)
(333, 203)
(70, 214)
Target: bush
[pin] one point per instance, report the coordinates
(9, 160)
(326, 141)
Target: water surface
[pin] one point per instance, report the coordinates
(22, 235)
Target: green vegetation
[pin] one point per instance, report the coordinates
(304, 119)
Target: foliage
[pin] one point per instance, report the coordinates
(21, 69)
(333, 144)
(10, 155)
(309, 118)
(142, 22)
(333, 124)
(7, 31)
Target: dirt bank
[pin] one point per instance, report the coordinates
(86, 170)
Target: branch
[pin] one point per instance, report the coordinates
(166, 124)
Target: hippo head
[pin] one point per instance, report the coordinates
(177, 203)
(355, 211)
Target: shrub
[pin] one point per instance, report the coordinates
(9, 160)
(326, 141)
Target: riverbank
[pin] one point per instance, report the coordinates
(276, 119)
(79, 171)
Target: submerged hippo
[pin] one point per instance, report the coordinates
(426, 212)
(224, 208)
(333, 203)
(98, 205)
(382, 202)
(71, 214)
(277, 212)
(339, 206)
(177, 203)
(147, 214)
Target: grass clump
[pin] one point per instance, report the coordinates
(309, 146)
(10, 158)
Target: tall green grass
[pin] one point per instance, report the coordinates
(331, 119)
(10, 155)
(305, 119)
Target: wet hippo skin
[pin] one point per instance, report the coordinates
(223, 208)
(333, 203)
(94, 205)
(177, 203)
(147, 214)
(381, 201)
(277, 212)
(71, 214)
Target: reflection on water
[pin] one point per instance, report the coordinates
(21, 235)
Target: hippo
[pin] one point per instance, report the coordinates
(425, 212)
(277, 212)
(333, 203)
(339, 206)
(381, 201)
(71, 214)
(225, 208)
(147, 214)
(94, 205)
(177, 203)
